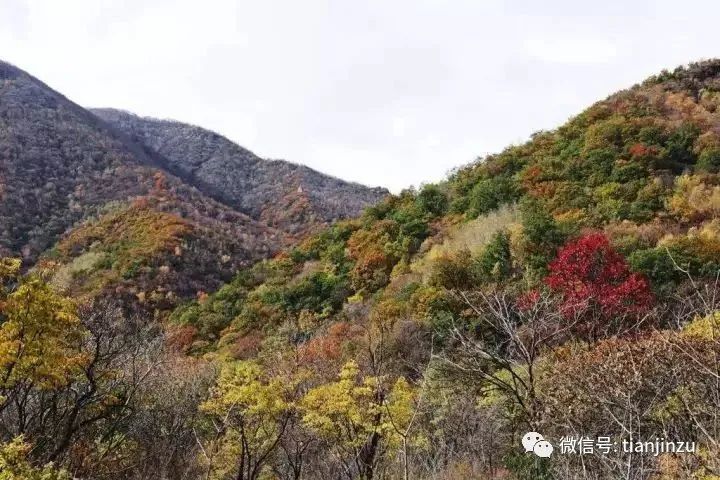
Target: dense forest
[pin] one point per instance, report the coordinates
(567, 285)
(301, 197)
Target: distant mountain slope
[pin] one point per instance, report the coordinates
(285, 195)
(61, 166)
(57, 162)
(85, 192)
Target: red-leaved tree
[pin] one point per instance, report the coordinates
(592, 277)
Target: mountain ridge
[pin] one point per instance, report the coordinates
(65, 170)
(420, 340)
(236, 176)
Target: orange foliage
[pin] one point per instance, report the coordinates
(531, 176)
(328, 349)
(181, 337)
(247, 346)
(160, 184)
(680, 106)
(641, 150)
(368, 249)
(135, 233)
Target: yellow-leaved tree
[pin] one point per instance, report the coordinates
(15, 466)
(40, 334)
(400, 409)
(40, 349)
(249, 411)
(360, 417)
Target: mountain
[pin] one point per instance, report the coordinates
(287, 196)
(82, 195)
(567, 287)
(59, 164)
(578, 269)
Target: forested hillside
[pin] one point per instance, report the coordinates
(301, 198)
(111, 216)
(567, 286)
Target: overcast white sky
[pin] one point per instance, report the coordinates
(383, 92)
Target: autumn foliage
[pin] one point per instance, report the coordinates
(417, 341)
(589, 274)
